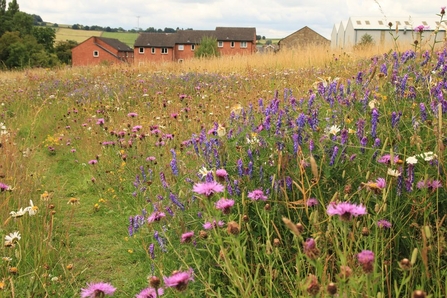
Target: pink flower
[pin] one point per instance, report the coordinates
(132, 115)
(366, 259)
(186, 237)
(208, 225)
(225, 205)
(387, 158)
(100, 121)
(150, 293)
(256, 195)
(312, 202)
(345, 210)
(155, 216)
(92, 162)
(98, 290)
(4, 187)
(179, 280)
(384, 224)
(221, 173)
(208, 188)
(136, 128)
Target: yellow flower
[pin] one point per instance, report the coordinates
(101, 200)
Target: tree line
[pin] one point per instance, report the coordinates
(23, 44)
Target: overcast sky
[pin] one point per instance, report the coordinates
(272, 19)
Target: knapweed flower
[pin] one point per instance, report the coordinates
(421, 28)
(150, 293)
(93, 162)
(387, 159)
(98, 290)
(383, 224)
(187, 237)
(4, 187)
(312, 202)
(366, 260)
(208, 188)
(345, 210)
(225, 205)
(256, 195)
(221, 173)
(208, 225)
(310, 248)
(132, 115)
(100, 121)
(179, 280)
(12, 237)
(376, 186)
(442, 11)
(155, 216)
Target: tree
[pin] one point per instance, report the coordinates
(45, 36)
(258, 37)
(76, 26)
(2, 7)
(55, 25)
(207, 48)
(268, 42)
(62, 49)
(23, 23)
(13, 8)
(37, 20)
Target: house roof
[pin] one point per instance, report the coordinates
(156, 40)
(115, 43)
(380, 23)
(194, 36)
(305, 28)
(235, 33)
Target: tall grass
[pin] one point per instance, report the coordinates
(103, 152)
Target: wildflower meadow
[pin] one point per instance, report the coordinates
(316, 174)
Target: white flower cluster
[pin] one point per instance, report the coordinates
(31, 210)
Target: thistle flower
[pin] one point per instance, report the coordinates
(132, 115)
(179, 280)
(4, 187)
(155, 216)
(310, 248)
(345, 210)
(92, 162)
(98, 290)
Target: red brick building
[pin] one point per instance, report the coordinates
(97, 50)
(303, 38)
(156, 47)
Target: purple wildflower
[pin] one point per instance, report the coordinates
(334, 155)
(4, 187)
(366, 259)
(256, 195)
(187, 237)
(310, 248)
(221, 173)
(208, 188)
(98, 290)
(150, 293)
(92, 162)
(374, 121)
(312, 202)
(345, 210)
(151, 251)
(225, 205)
(179, 280)
(133, 115)
(383, 224)
(100, 121)
(155, 216)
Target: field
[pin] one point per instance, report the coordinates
(76, 35)
(312, 173)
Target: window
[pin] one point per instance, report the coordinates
(367, 23)
(425, 23)
(380, 23)
(243, 44)
(220, 44)
(397, 23)
(193, 47)
(407, 23)
(152, 50)
(95, 54)
(359, 22)
(180, 47)
(164, 50)
(141, 50)
(232, 44)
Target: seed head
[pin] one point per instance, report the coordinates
(332, 288)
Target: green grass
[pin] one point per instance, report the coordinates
(126, 37)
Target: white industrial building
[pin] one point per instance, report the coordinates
(348, 34)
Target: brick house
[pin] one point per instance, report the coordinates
(156, 47)
(303, 38)
(97, 50)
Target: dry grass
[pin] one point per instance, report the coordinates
(76, 35)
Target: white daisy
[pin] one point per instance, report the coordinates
(334, 129)
(428, 156)
(394, 173)
(412, 160)
(19, 213)
(32, 210)
(13, 237)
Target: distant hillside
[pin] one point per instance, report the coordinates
(64, 33)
